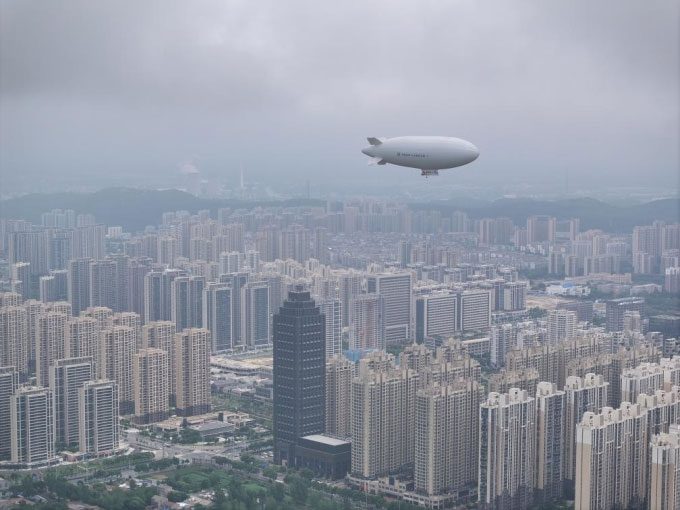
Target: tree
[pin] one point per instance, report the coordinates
(235, 489)
(176, 496)
(277, 491)
(270, 472)
(299, 488)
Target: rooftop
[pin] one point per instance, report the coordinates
(331, 441)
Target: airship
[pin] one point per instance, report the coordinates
(428, 153)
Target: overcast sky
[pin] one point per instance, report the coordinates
(131, 91)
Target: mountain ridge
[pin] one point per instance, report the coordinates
(136, 208)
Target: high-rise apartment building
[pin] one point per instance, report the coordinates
(367, 322)
(332, 310)
(50, 343)
(237, 281)
(32, 426)
(397, 290)
(79, 284)
(664, 491)
(524, 379)
(662, 408)
(435, 315)
(117, 348)
(339, 374)
(102, 314)
(103, 282)
(446, 437)
(383, 428)
(9, 383)
(82, 339)
(67, 376)
(54, 287)
(541, 229)
(14, 340)
(514, 296)
(646, 378)
(474, 310)
(192, 371)
(294, 243)
(611, 458)
(217, 315)
(161, 335)
(551, 442)
(186, 301)
(616, 309)
(299, 373)
(21, 279)
(151, 385)
(507, 450)
(349, 288)
(582, 395)
(255, 315)
(98, 414)
(561, 325)
(502, 339)
(671, 372)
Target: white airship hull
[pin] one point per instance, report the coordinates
(428, 153)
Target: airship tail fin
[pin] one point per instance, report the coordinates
(374, 141)
(377, 161)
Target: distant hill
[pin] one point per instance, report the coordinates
(134, 209)
(593, 213)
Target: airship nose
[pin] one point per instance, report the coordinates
(474, 152)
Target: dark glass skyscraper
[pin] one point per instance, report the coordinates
(299, 373)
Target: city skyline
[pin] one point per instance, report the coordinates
(209, 301)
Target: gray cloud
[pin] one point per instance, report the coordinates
(132, 89)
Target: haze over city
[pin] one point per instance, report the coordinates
(560, 97)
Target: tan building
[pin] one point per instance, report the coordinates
(524, 379)
(367, 322)
(376, 361)
(507, 450)
(49, 344)
(383, 408)
(416, 357)
(339, 374)
(82, 338)
(446, 437)
(102, 314)
(561, 325)
(192, 371)
(625, 359)
(551, 442)
(544, 358)
(98, 412)
(14, 337)
(117, 349)
(645, 379)
(671, 372)
(151, 386)
(663, 408)
(161, 335)
(583, 395)
(664, 491)
(611, 458)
